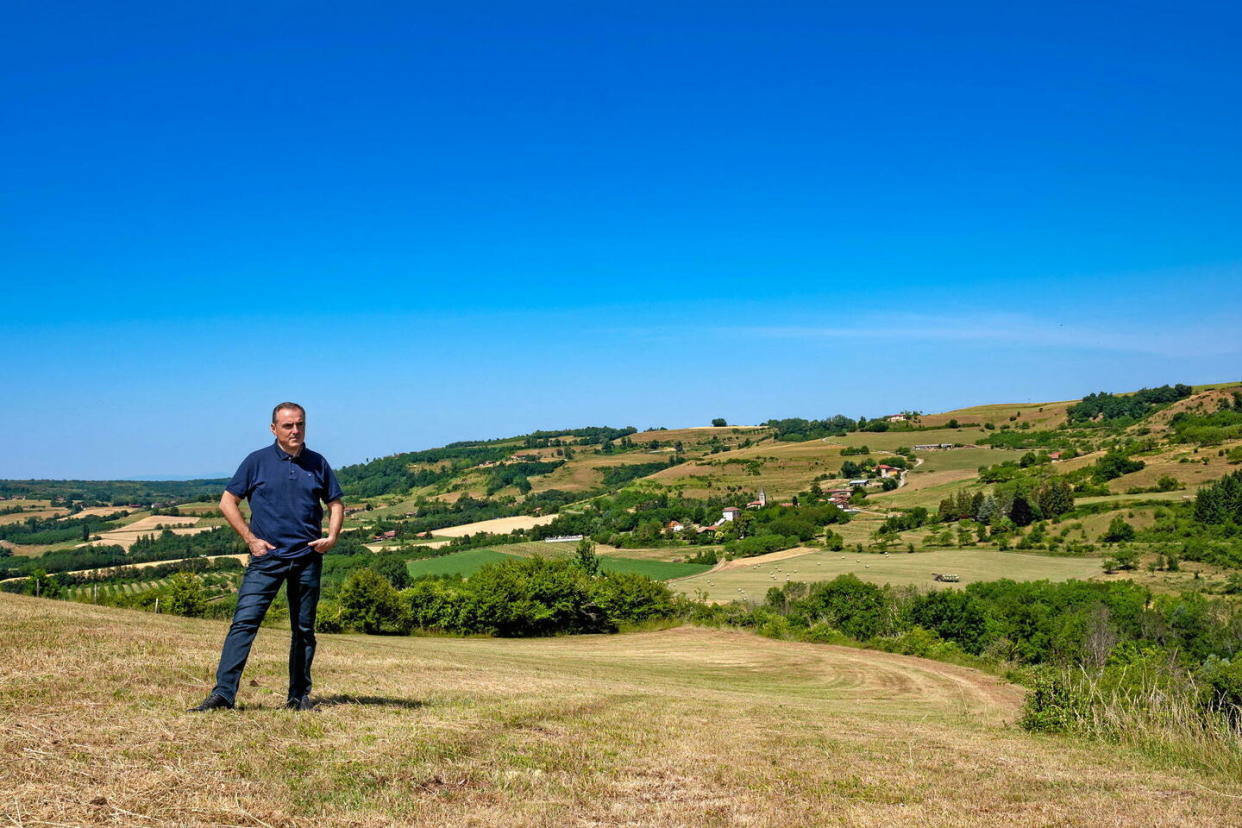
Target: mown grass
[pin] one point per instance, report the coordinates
(679, 727)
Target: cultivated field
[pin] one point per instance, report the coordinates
(681, 727)
(464, 563)
(467, 562)
(127, 536)
(897, 568)
(497, 526)
(29, 512)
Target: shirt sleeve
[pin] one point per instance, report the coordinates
(243, 482)
(332, 489)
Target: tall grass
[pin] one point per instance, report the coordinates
(1160, 709)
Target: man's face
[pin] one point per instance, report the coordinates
(290, 430)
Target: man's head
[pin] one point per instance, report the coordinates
(289, 426)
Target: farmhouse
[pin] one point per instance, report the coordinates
(896, 418)
(888, 471)
(933, 447)
(389, 535)
(674, 525)
(729, 513)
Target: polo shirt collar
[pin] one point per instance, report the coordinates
(281, 454)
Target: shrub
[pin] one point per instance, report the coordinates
(630, 597)
(1052, 705)
(535, 596)
(368, 602)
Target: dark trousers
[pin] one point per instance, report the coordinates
(259, 586)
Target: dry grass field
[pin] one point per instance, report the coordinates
(680, 727)
(29, 512)
(497, 526)
(126, 537)
(583, 471)
(1041, 415)
(701, 434)
(1205, 467)
(752, 581)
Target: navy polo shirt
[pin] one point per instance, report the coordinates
(286, 495)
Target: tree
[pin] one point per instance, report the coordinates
(586, 559)
(1123, 558)
(368, 602)
(1055, 497)
(1021, 512)
(719, 422)
(392, 567)
(42, 585)
(186, 596)
(1118, 531)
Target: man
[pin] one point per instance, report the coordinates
(285, 484)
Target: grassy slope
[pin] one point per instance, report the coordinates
(680, 727)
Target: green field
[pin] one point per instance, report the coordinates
(897, 568)
(459, 563)
(470, 561)
(657, 570)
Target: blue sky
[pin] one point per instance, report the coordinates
(434, 222)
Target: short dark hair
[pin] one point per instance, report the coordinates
(279, 406)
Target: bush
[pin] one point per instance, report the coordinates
(1052, 705)
(368, 602)
(631, 598)
(536, 596)
(186, 596)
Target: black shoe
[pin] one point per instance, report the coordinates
(303, 703)
(213, 702)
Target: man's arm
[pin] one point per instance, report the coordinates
(228, 507)
(336, 516)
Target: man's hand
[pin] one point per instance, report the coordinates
(259, 547)
(323, 544)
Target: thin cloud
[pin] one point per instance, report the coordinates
(1210, 339)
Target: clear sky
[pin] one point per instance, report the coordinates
(431, 222)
